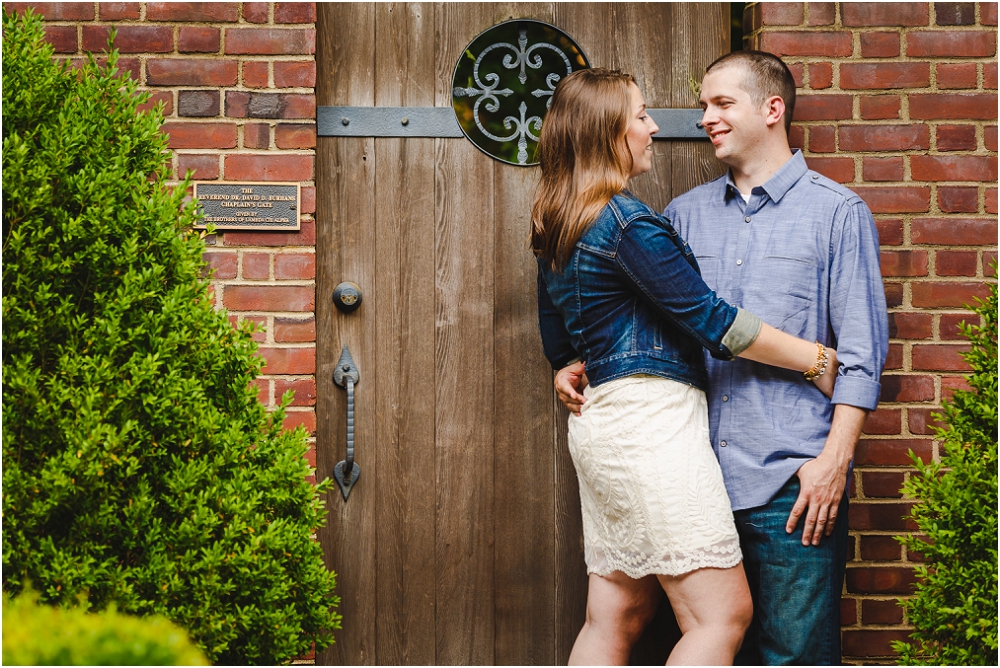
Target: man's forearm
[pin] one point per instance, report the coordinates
(845, 430)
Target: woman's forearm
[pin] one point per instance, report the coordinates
(774, 347)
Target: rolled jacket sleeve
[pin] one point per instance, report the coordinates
(858, 315)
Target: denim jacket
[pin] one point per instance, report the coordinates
(631, 300)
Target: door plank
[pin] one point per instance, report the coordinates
(404, 343)
(463, 369)
(345, 247)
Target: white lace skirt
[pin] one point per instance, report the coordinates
(651, 488)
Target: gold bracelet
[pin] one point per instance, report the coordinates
(819, 368)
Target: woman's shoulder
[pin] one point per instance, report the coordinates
(627, 209)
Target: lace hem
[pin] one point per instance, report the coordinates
(600, 562)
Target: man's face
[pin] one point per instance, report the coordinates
(736, 126)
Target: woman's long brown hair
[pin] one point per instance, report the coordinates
(584, 157)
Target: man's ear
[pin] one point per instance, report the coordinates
(774, 110)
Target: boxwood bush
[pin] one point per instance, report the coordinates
(954, 611)
(138, 465)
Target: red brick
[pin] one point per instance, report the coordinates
(204, 167)
(881, 548)
(222, 264)
(257, 266)
(892, 452)
(256, 135)
(991, 200)
(848, 611)
(943, 295)
(295, 12)
(295, 74)
(880, 76)
(55, 11)
(262, 384)
(953, 231)
(895, 200)
(200, 135)
(956, 263)
(308, 196)
(166, 97)
(282, 361)
(939, 357)
(823, 107)
(951, 384)
(797, 70)
(911, 325)
(190, 72)
(295, 266)
(971, 106)
(270, 41)
(62, 38)
(255, 12)
(797, 137)
(820, 75)
(884, 421)
(907, 389)
(890, 231)
(882, 169)
(990, 75)
(822, 139)
(269, 167)
(962, 43)
(879, 44)
(988, 13)
(920, 420)
(883, 484)
(298, 105)
(879, 107)
(840, 170)
(955, 13)
(990, 137)
(956, 75)
(958, 199)
(865, 643)
(118, 11)
(904, 263)
(192, 39)
(127, 66)
(207, 12)
(878, 517)
(304, 389)
(782, 13)
(990, 258)
(956, 138)
(953, 168)
(863, 14)
(306, 236)
(259, 335)
(290, 330)
(881, 612)
(269, 298)
(255, 74)
(948, 327)
(884, 137)
(822, 13)
(129, 38)
(828, 43)
(893, 299)
(240, 104)
(304, 419)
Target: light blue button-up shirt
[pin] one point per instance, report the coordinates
(802, 255)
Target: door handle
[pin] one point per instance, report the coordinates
(346, 375)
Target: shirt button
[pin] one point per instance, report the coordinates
(739, 262)
(723, 444)
(747, 219)
(725, 397)
(815, 176)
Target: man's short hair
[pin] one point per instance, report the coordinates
(766, 76)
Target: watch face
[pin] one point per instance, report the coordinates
(504, 82)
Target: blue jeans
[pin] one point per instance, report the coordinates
(796, 589)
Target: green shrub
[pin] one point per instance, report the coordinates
(45, 635)
(138, 465)
(954, 611)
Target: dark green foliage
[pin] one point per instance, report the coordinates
(45, 635)
(138, 465)
(955, 608)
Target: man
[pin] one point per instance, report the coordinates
(801, 252)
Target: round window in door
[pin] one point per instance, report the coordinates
(503, 86)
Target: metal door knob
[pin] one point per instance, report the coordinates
(347, 297)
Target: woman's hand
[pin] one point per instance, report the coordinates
(826, 382)
(570, 382)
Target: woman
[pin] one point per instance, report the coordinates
(619, 289)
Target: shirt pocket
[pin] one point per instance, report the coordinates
(788, 291)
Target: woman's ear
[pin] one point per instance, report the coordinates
(774, 110)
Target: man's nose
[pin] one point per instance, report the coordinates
(708, 119)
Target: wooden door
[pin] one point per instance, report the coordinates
(461, 541)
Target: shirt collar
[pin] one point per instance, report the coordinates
(779, 184)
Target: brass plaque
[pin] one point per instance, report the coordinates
(249, 206)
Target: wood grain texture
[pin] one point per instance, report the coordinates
(404, 343)
(345, 248)
(464, 369)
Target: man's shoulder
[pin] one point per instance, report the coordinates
(813, 185)
(697, 196)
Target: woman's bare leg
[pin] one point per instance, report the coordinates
(713, 609)
(618, 609)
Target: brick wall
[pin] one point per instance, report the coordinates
(898, 101)
(238, 84)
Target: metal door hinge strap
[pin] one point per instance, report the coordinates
(440, 122)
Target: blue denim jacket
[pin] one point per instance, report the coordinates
(631, 300)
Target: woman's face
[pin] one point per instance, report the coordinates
(641, 129)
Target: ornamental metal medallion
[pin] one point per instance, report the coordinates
(504, 82)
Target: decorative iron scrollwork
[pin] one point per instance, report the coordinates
(501, 121)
